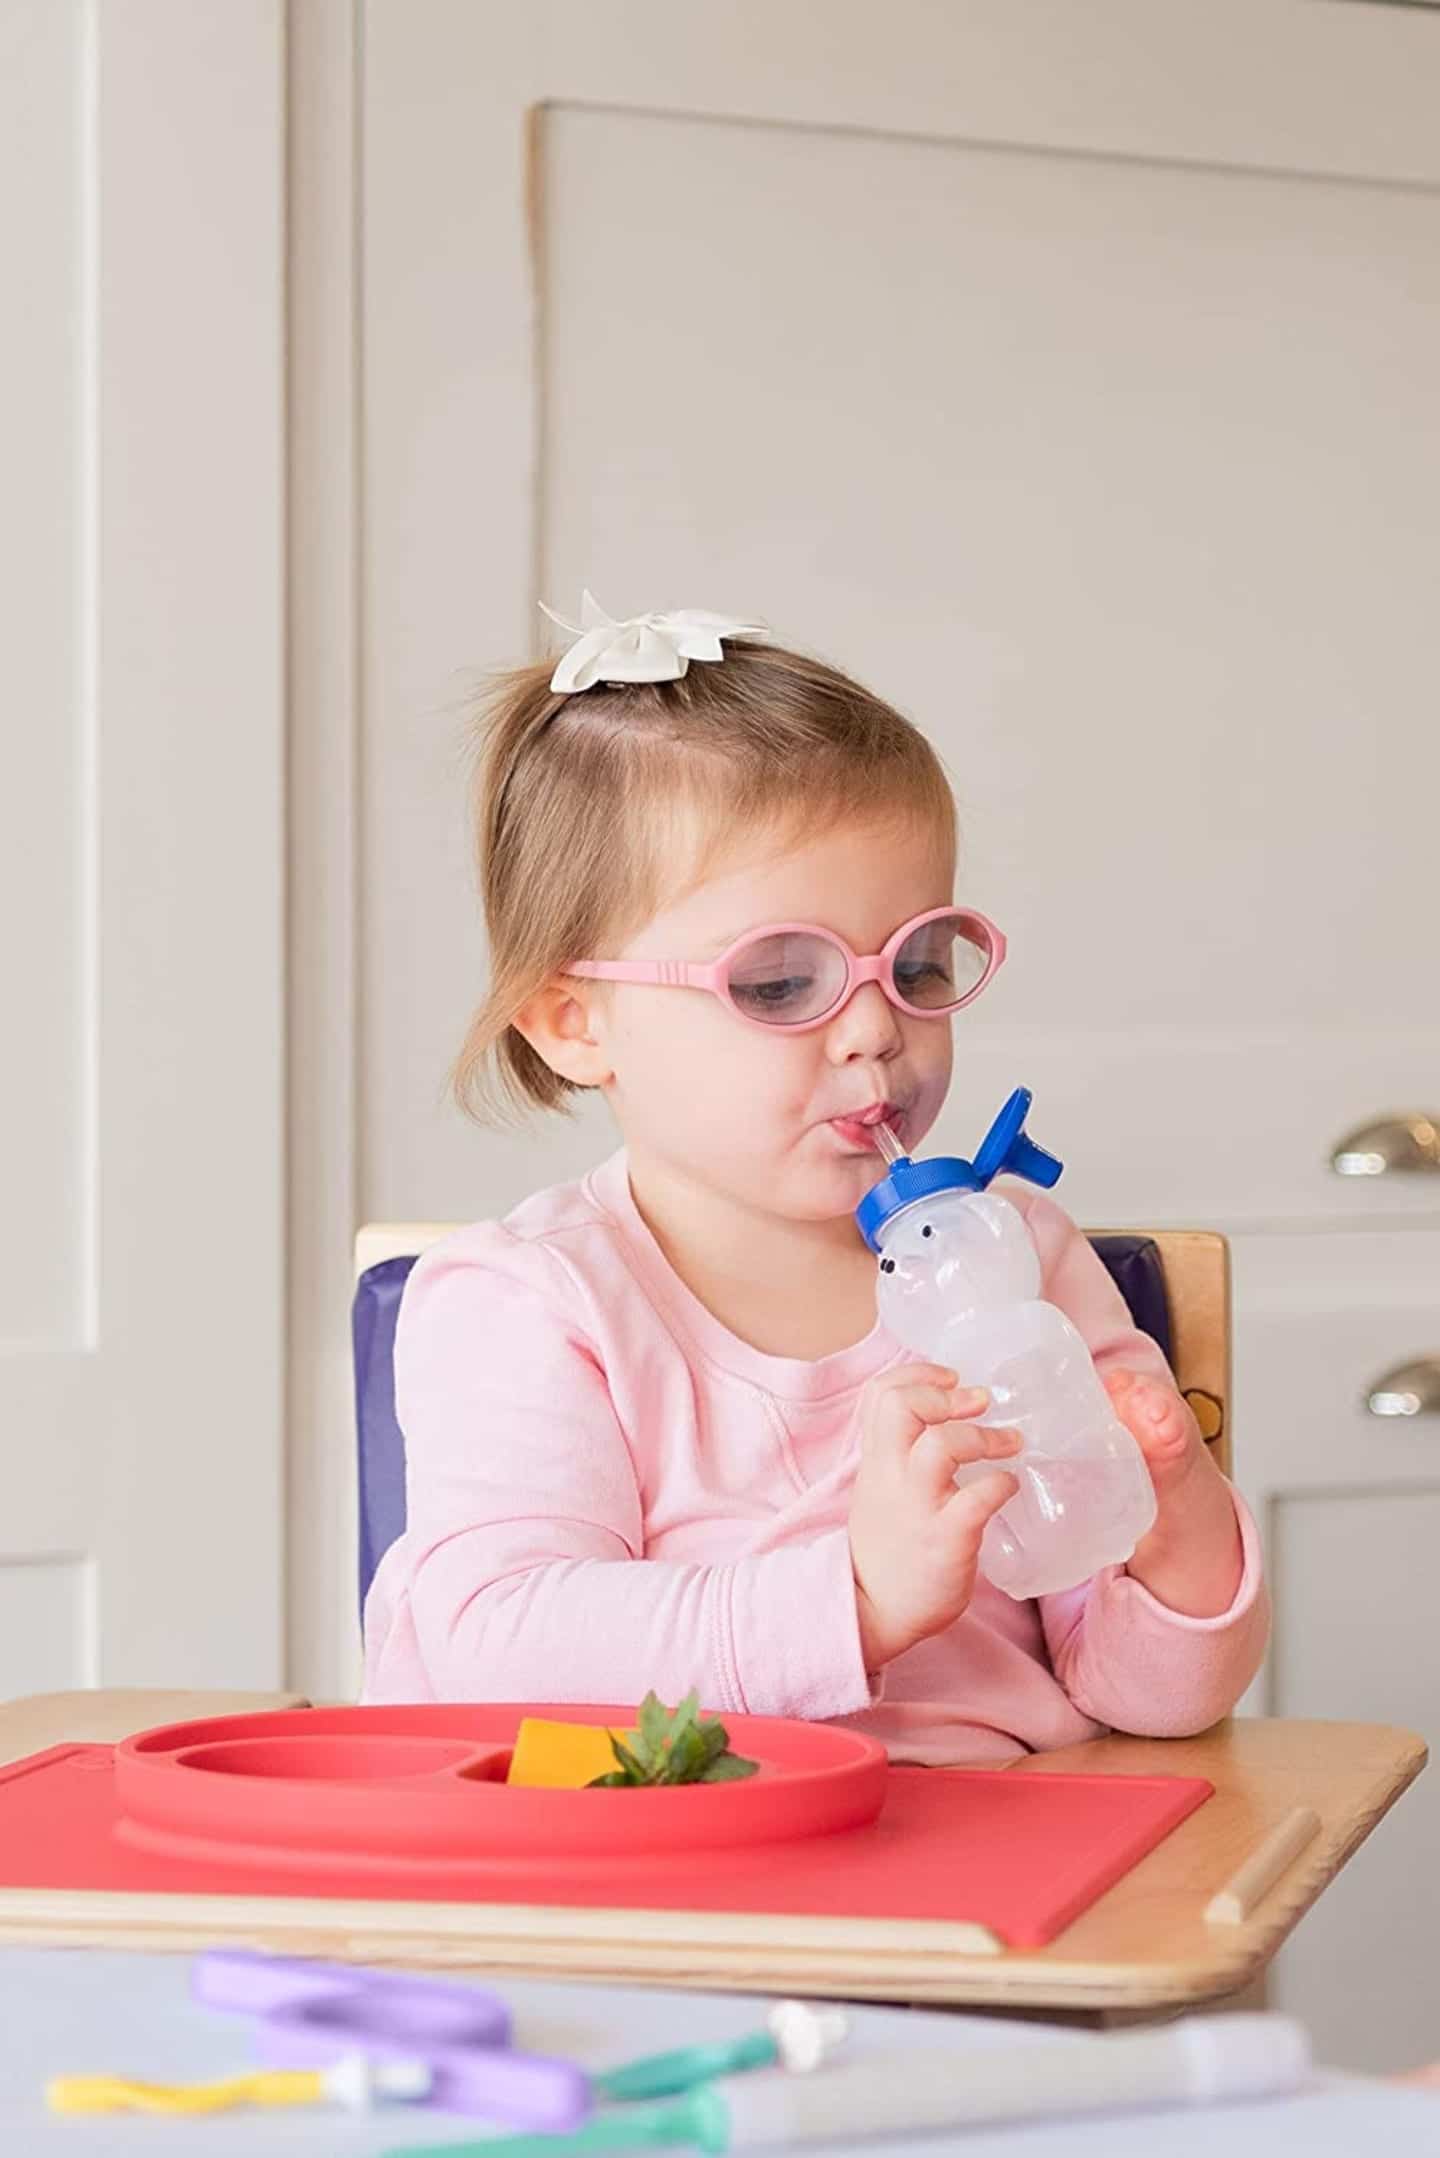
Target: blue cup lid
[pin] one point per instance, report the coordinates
(1005, 1150)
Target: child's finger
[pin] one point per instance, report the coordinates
(905, 1376)
(943, 1448)
(912, 1375)
(976, 1500)
(968, 1401)
(1155, 1416)
(899, 1415)
(1132, 1395)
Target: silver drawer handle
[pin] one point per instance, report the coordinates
(1399, 1144)
(1408, 1390)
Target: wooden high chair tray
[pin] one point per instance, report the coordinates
(409, 1805)
(1142, 1946)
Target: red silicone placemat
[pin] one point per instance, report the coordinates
(1022, 1855)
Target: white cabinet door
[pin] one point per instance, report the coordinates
(1350, 1504)
(141, 845)
(1106, 445)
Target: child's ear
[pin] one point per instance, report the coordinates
(559, 1024)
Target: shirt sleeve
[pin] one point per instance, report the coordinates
(1125, 1659)
(1074, 1277)
(521, 1574)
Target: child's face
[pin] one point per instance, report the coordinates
(750, 1112)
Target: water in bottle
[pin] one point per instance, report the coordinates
(959, 1284)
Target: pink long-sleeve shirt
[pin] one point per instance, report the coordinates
(609, 1491)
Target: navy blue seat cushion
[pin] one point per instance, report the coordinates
(1133, 1263)
(380, 1446)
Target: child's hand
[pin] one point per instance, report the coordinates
(1162, 1425)
(915, 1537)
(1192, 1558)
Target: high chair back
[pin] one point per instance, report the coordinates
(1176, 1283)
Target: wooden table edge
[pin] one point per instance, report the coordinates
(898, 1973)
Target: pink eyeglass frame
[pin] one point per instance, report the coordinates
(714, 974)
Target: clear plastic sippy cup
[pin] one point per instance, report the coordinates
(960, 1285)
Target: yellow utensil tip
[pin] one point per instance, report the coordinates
(116, 2094)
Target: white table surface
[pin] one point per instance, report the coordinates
(89, 2011)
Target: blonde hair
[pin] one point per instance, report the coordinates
(590, 809)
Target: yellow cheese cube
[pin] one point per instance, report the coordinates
(560, 1756)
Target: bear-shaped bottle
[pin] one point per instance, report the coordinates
(959, 1284)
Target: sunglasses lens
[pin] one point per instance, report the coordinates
(941, 962)
(787, 979)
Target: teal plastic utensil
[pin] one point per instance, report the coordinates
(701, 2118)
(666, 2075)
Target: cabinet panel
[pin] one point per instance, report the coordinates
(1350, 1507)
(1356, 1595)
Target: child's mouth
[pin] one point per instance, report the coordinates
(857, 1133)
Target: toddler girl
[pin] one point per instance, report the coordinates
(655, 1436)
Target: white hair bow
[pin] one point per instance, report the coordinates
(647, 648)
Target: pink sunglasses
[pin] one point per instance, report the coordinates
(792, 975)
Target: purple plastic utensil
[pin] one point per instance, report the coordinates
(310, 2014)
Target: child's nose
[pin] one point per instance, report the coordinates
(868, 1025)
